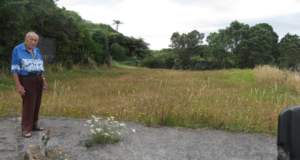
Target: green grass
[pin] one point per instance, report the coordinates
(241, 75)
(6, 84)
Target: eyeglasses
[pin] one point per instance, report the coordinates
(31, 39)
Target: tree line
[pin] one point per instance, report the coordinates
(236, 46)
(80, 41)
(77, 40)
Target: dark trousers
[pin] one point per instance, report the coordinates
(33, 86)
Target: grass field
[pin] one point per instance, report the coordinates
(232, 100)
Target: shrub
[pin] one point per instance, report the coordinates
(153, 62)
(69, 64)
(117, 52)
(159, 60)
(55, 68)
(134, 60)
(85, 57)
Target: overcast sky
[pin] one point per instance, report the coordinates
(156, 20)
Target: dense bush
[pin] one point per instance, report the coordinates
(159, 60)
(134, 60)
(117, 52)
(69, 31)
(153, 62)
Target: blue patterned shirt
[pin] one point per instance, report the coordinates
(22, 61)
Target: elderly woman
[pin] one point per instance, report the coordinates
(27, 69)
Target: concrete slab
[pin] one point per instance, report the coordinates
(147, 143)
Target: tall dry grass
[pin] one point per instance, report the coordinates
(274, 76)
(231, 100)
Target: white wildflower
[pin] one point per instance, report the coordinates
(98, 129)
(108, 119)
(92, 131)
(122, 124)
(133, 130)
(92, 125)
(96, 120)
(112, 118)
(105, 134)
(84, 125)
(89, 121)
(94, 117)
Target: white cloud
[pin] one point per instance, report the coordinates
(156, 20)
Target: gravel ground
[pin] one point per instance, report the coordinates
(147, 143)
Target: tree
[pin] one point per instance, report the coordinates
(12, 30)
(218, 49)
(41, 10)
(185, 46)
(117, 23)
(100, 37)
(71, 34)
(275, 45)
(288, 36)
(257, 47)
(290, 49)
(244, 46)
(117, 52)
(227, 45)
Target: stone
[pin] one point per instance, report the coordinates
(40, 152)
(43, 139)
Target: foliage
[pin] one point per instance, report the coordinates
(69, 31)
(184, 46)
(290, 50)
(243, 45)
(117, 23)
(11, 27)
(132, 61)
(88, 144)
(69, 64)
(55, 69)
(117, 52)
(85, 57)
(100, 37)
(288, 36)
(153, 62)
(159, 60)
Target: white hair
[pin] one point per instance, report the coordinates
(29, 33)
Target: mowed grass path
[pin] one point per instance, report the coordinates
(230, 100)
